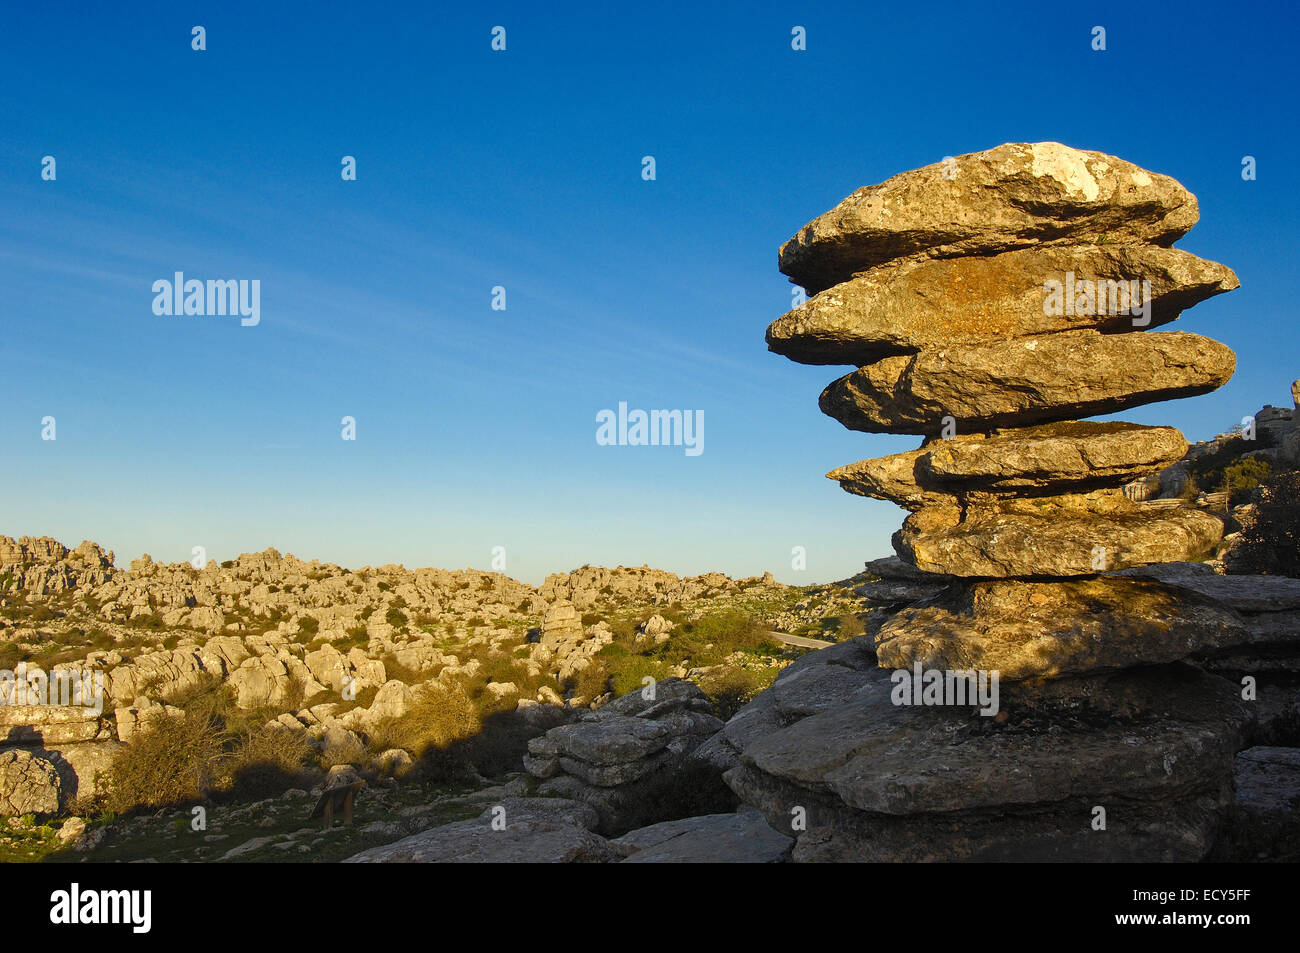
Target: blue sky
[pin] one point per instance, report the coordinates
(476, 428)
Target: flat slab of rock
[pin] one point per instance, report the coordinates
(1048, 630)
(891, 567)
(1053, 536)
(50, 724)
(612, 775)
(537, 830)
(1026, 381)
(1056, 457)
(880, 781)
(1015, 195)
(812, 683)
(897, 592)
(908, 306)
(669, 694)
(1050, 455)
(608, 740)
(741, 838)
(1244, 593)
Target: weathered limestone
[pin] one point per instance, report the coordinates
(1078, 455)
(1013, 196)
(1025, 630)
(28, 784)
(1071, 535)
(1026, 381)
(990, 301)
(519, 830)
(622, 758)
(740, 838)
(993, 299)
(909, 306)
(882, 782)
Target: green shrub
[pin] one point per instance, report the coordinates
(266, 762)
(169, 762)
(628, 669)
(731, 688)
(11, 655)
(440, 716)
(1242, 477)
(41, 613)
(1270, 544)
(849, 626)
(590, 682)
(712, 638)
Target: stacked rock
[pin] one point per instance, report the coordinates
(626, 758)
(992, 300)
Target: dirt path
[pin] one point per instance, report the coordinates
(801, 641)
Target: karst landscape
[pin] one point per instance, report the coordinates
(1136, 596)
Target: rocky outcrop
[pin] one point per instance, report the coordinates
(553, 830)
(1028, 381)
(1028, 705)
(565, 645)
(1289, 440)
(1047, 459)
(624, 758)
(988, 337)
(1068, 535)
(1034, 630)
(904, 307)
(519, 830)
(863, 778)
(28, 784)
(1014, 196)
(740, 838)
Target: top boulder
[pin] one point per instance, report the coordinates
(983, 203)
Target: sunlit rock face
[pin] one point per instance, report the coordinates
(990, 302)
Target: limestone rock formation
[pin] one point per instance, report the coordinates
(743, 837)
(1014, 196)
(519, 830)
(991, 300)
(623, 758)
(911, 305)
(1068, 535)
(874, 780)
(995, 298)
(28, 784)
(1074, 456)
(1026, 381)
(1025, 630)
